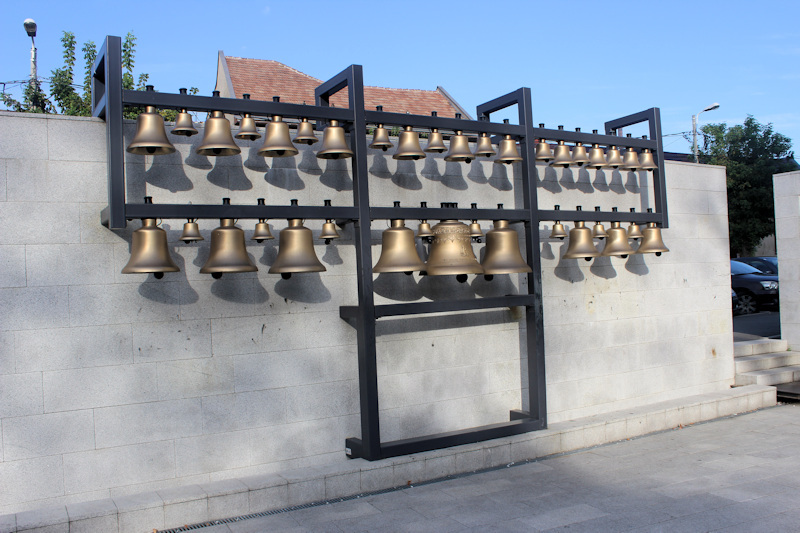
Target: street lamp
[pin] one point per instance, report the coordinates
(712, 107)
(30, 29)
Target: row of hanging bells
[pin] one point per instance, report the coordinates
(581, 239)
(595, 157)
(228, 252)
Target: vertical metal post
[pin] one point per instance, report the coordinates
(534, 315)
(659, 177)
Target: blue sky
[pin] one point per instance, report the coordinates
(586, 62)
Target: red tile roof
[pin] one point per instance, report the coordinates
(263, 79)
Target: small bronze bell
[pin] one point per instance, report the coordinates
(651, 240)
(646, 161)
(579, 155)
(183, 122)
(475, 230)
(191, 232)
(424, 230)
(151, 137)
(558, 231)
(563, 157)
(597, 157)
(633, 230)
(408, 148)
(149, 250)
(631, 160)
(451, 251)
(305, 133)
(380, 139)
(435, 140)
(598, 231)
(398, 251)
(459, 149)
(262, 232)
(613, 157)
(277, 142)
(484, 146)
(507, 150)
(247, 126)
(617, 243)
(228, 252)
(581, 244)
(217, 138)
(329, 231)
(502, 251)
(334, 145)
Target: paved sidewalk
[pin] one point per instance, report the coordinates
(739, 474)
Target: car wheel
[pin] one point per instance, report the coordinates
(747, 303)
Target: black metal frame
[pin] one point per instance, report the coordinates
(109, 100)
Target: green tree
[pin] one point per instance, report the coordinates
(751, 152)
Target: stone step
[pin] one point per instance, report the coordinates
(758, 346)
(764, 361)
(769, 376)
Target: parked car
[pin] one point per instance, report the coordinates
(766, 264)
(755, 289)
(734, 302)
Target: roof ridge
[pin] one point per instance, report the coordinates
(400, 89)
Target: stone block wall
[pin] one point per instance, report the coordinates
(115, 384)
(786, 190)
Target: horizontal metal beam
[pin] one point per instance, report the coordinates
(600, 216)
(200, 211)
(420, 308)
(444, 123)
(630, 120)
(589, 138)
(501, 102)
(436, 213)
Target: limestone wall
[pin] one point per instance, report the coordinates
(786, 189)
(113, 384)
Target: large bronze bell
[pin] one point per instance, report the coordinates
(262, 232)
(435, 140)
(617, 242)
(484, 146)
(191, 232)
(581, 244)
(183, 122)
(459, 149)
(398, 251)
(217, 138)
(507, 152)
(502, 251)
(247, 125)
(149, 251)
(563, 157)
(646, 161)
(451, 251)
(408, 148)
(151, 137)
(277, 142)
(305, 133)
(296, 251)
(613, 157)
(651, 240)
(228, 252)
(380, 138)
(633, 230)
(334, 144)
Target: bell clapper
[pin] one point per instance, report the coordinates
(286, 275)
(488, 277)
(159, 275)
(216, 275)
(461, 278)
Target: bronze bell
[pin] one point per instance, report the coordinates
(459, 149)
(228, 252)
(435, 140)
(151, 137)
(598, 231)
(475, 230)
(329, 231)
(484, 146)
(633, 230)
(305, 133)
(191, 232)
(424, 230)
(408, 148)
(646, 161)
(543, 151)
(334, 144)
(262, 232)
(149, 250)
(613, 157)
(581, 243)
(247, 125)
(217, 138)
(507, 151)
(398, 251)
(277, 142)
(631, 160)
(380, 139)
(183, 122)
(296, 251)
(579, 155)
(597, 157)
(451, 251)
(651, 240)
(558, 228)
(502, 251)
(617, 242)
(563, 157)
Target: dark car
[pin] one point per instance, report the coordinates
(754, 288)
(766, 264)
(734, 302)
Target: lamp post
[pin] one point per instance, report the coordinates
(30, 28)
(712, 107)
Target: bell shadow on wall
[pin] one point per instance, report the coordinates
(445, 288)
(196, 160)
(568, 269)
(233, 288)
(567, 179)
(406, 176)
(453, 177)
(305, 287)
(476, 173)
(270, 252)
(380, 166)
(584, 181)
(411, 324)
(616, 185)
(397, 286)
(255, 161)
(632, 183)
(336, 175)
(602, 267)
(332, 256)
(309, 163)
(599, 182)
(499, 178)
(547, 179)
(636, 265)
(166, 172)
(230, 177)
(430, 170)
(500, 285)
(283, 174)
(547, 250)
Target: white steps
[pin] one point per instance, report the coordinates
(765, 362)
